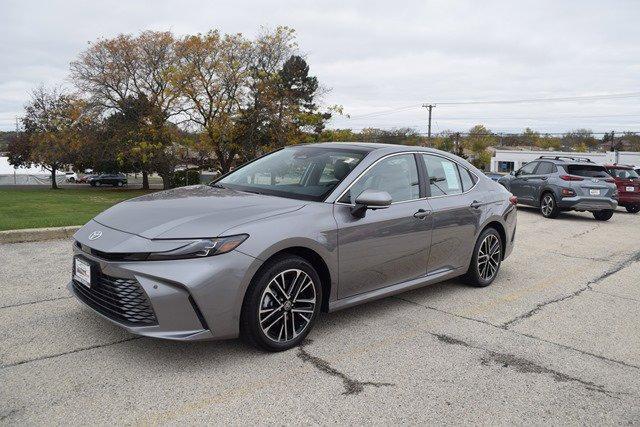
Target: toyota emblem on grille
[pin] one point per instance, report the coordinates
(95, 235)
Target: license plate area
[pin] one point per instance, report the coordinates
(83, 271)
(630, 189)
(594, 192)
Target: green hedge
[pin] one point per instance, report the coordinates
(186, 177)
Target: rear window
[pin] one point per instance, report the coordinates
(624, 173)
(592, 171)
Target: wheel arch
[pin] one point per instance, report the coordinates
(315, 259)
(497, 225)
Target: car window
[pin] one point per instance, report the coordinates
(546, 168)
(397, 175)
(590, 171)
(467, 178)
(299, 172)
(528, 169)
(443, 175)
(624, 173)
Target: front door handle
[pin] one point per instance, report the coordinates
(544, 178)
(475, 204)
(422, 214)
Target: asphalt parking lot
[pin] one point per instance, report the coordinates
(555, 339)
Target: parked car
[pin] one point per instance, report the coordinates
(114, 179)
(628, 182)
(261, 251)
(70, 177)
(560, 183)
(494, 176)
(84, 179)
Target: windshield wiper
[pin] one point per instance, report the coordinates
(216, 185)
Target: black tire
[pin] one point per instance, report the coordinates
(604, 215)
(549, 206)
(476, 275)
(258, 297)
(633, 208)
(92, 183)
(119, 184)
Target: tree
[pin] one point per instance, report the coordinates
(117, 72)
(478, 140)
(54, 126)
(213, 78)
(582, 138)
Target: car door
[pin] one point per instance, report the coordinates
(387, 246)
(456, 211)
(520, 186)
(537, 181)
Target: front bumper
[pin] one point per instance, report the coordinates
(580, 203)
(191, 299)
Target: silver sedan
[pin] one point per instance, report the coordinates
(308, 228)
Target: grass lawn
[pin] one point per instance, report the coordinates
(43, 207)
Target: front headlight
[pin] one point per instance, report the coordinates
(201, 248)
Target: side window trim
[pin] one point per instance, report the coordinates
(364, 172)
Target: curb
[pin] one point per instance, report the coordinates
(37, 234)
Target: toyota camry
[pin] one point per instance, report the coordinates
(260, 252)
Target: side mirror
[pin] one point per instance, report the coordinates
(514, 173)
(370, 199)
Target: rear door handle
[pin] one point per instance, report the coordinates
(544, 178)
(475, 204)
(422, 214)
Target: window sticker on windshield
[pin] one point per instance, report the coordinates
(451, 175)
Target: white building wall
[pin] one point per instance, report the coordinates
(521, 157)
(7, 169)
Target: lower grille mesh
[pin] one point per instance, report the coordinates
(122, 300)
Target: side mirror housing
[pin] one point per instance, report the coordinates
(370, 199)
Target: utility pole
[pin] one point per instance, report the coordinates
(429, 107)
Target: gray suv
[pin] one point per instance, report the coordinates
(559, 183)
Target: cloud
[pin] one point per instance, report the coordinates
(377, 55)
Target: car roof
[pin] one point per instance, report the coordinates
(628, 167)
(370, 146)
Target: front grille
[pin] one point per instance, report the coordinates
(122, 300)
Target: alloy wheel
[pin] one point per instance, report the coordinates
(287, 305)
(489, 255)
(547, 205)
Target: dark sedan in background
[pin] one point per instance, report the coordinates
(113, 179)
(308, 228)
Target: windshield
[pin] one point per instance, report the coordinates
(305, 172)
(591, 171)
(624, 173)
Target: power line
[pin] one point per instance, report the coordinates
(504, 101)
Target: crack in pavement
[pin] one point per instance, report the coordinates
(582, 233)
(613, 295)
(523, 365)
(351, 386)
(52, 356)
(533, 337)
(20, 304)
(581, 257)
(625, 263)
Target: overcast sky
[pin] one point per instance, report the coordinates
(377, 56)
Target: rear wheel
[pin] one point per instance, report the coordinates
(119, 184)
(548, 206)
(486, 260)
(603, 215)
(633, 208)
(281, 304)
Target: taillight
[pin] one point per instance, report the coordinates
(513, 200)
(568, 192)
(571, 178)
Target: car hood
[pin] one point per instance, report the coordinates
(192, 212)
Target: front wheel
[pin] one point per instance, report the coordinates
(281, 304)
(549, 207)
(604, 215)
(119, 184)
(633, 208)
(486, 260)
